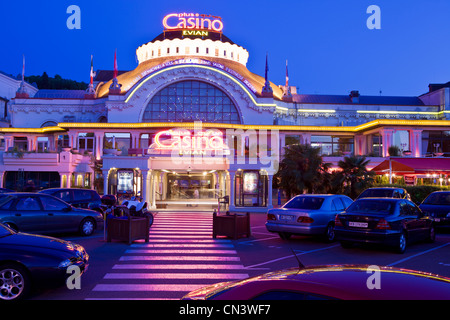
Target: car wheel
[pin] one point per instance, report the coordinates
(432, 236)
(330, 234)
(401, 244)
(284, 235)
(87, 227)
(12, 226)
(14, 282)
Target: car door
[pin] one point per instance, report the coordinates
(409, 220)
(422, 224)
(59, 214)
(27, 214)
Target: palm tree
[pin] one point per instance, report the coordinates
(353, 176)
(302, 169)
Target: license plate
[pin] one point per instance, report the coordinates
(286, 217)
(437, 219)
(358, 224)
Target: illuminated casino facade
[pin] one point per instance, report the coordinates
(191, 123)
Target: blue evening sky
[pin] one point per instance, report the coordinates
(327, 43)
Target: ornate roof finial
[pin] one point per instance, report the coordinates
(90, 92)
(115, 87)
(267, 89)
(287, 95)
(22, 92)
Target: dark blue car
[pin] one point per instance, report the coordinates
(437, 205)
(28, 260)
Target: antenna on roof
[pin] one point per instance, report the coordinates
(300, 265)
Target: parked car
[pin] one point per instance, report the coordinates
(78, 198)
(28, 260)
(393, 222)
(385, 192)
(307, 214)
(43, 213)
(437, 205)
(330, 282)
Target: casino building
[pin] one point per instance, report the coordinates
(191, 124)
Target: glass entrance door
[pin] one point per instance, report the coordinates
(191, 186)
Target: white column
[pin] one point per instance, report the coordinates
(269, 190)
(232, 190)
(105, 173)
(145, 189)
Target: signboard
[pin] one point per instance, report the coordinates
(188, 142)
(192, 21)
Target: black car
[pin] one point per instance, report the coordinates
(393, 222)
(28, 260)
(385, 192)
(43, 213)
(78, 198)
(437, 205)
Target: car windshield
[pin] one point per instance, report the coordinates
(376, 193)
(301, 202)
(372, 206)
(438, 199)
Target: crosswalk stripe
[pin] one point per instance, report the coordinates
(203, 266)
(190, 276)
(148, 287)
(180, 249)
(177, 258)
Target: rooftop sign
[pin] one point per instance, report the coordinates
(192, 21)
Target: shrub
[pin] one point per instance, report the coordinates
(418, 193)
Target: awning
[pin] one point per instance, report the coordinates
(411, 165)
(396, 167)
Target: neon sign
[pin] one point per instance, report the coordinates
(187, 142)
(192, 21)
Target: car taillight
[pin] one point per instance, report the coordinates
(303, 219)
(271, 216)
(383, 224)
(337, 221)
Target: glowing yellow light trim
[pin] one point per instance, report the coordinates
(400, 112)
(202, 67)
(33, 130)
(192, 125)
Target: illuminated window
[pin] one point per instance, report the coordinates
(189, 101)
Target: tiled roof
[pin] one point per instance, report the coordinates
(345, 99)
(60, 94)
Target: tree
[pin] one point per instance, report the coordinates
(353, 176)
(302, 169)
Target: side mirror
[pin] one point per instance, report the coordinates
(67, 209)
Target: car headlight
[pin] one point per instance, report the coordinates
(448, 215)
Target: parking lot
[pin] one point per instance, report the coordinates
(174, 262)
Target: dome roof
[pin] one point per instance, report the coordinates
(131, 78)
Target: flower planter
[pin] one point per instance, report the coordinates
(127, 229)
(231, 225)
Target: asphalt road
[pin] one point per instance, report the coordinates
(177, 260)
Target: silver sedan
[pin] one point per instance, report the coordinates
(307, 214)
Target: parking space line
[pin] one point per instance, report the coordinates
(290, 256)
(417, 254)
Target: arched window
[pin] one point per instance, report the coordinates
(49, 124)
(189, 101)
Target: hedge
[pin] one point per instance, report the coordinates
(418, 193)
